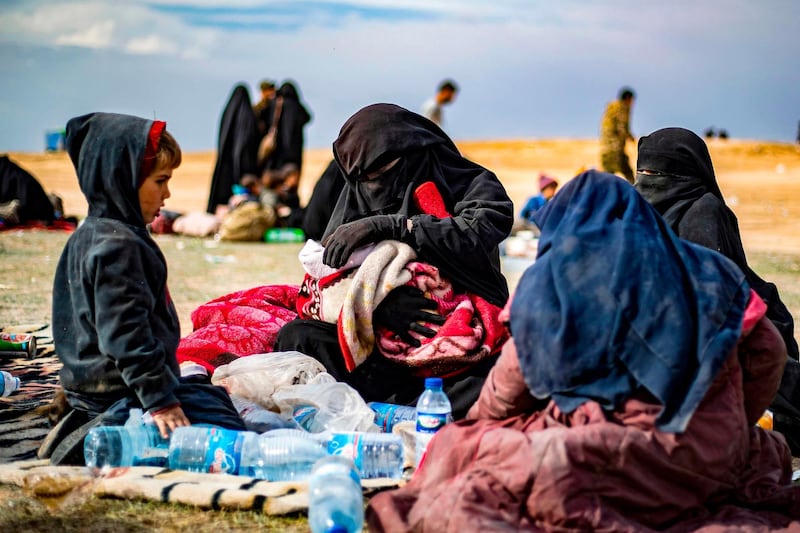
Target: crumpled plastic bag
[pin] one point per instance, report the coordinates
(326, 406)
(258, 419)
(257, 377)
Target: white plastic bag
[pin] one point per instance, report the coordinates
(257, 418)
(326, 406)
(257, 377)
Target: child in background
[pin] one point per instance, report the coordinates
(114, 324)
(247, 190)
(547, 188)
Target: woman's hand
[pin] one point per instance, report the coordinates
(347, 237)
(402, 311)
(169, 418)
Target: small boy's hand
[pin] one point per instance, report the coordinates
(168, 419)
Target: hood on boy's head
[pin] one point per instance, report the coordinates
(108, 151)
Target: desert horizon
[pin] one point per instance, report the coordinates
(760, 180)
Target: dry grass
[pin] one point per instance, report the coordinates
(19, 512)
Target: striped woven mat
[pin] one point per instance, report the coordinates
(22, 427)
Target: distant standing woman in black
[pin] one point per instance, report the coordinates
(292, 118)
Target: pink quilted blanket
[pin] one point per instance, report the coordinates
(240, 323)
(471, 331)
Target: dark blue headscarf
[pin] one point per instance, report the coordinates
(616, 302)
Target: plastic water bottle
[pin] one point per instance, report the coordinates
(320, 438)
(207, 449)
(287, 457)
(335, 500)
(134, 444)
(8, 383)
(433, 412)
(375, 455)
(389, 414)
(284, 235)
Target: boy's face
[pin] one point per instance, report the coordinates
(153, 192)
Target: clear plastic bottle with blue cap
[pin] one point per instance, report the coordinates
(335, 499)
(289, 456)
(433, 412)
(206, 448)
(8, 383)
(134, 444)
(376, 455)
(388, 415)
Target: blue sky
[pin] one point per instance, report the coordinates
(527, 68)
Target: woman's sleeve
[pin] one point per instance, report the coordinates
(762, 355)
(464, 245)
(504, 393)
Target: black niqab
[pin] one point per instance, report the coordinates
(463, 246)
(675, 175)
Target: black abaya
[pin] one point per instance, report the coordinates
(290, 139)
(463, 246)
(237, 148)
(317, 212)
(18, 184)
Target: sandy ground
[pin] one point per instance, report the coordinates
(761, 181)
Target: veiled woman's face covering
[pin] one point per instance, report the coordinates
(381, 190)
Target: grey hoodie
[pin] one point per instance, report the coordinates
(114, 325)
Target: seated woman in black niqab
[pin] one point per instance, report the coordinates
(674, 173)
(385, 153)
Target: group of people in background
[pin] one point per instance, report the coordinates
(260, 157)
(263, 144)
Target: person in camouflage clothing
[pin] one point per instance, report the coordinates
(614, 132)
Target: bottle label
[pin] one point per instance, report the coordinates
(347, 445)
(389, 414)
(156, 453)
(384, 414)
(223, 454)
(304, 415)
(431, 422)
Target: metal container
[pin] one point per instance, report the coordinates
(17, 345)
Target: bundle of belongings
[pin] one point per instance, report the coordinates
(247, 322)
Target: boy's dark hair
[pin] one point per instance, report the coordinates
(169, 152)
(625, 93)
(448, 85)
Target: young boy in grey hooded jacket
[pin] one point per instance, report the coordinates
(114, 324)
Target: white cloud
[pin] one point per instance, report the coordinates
(131, 27)
(97, 35)
(150, 45)
(541, 68)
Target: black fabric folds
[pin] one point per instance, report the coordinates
(237, 148)
(317, 212)
(18, 184)
(290, 134)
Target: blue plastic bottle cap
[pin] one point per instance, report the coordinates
(337, 529)
(433, 383)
